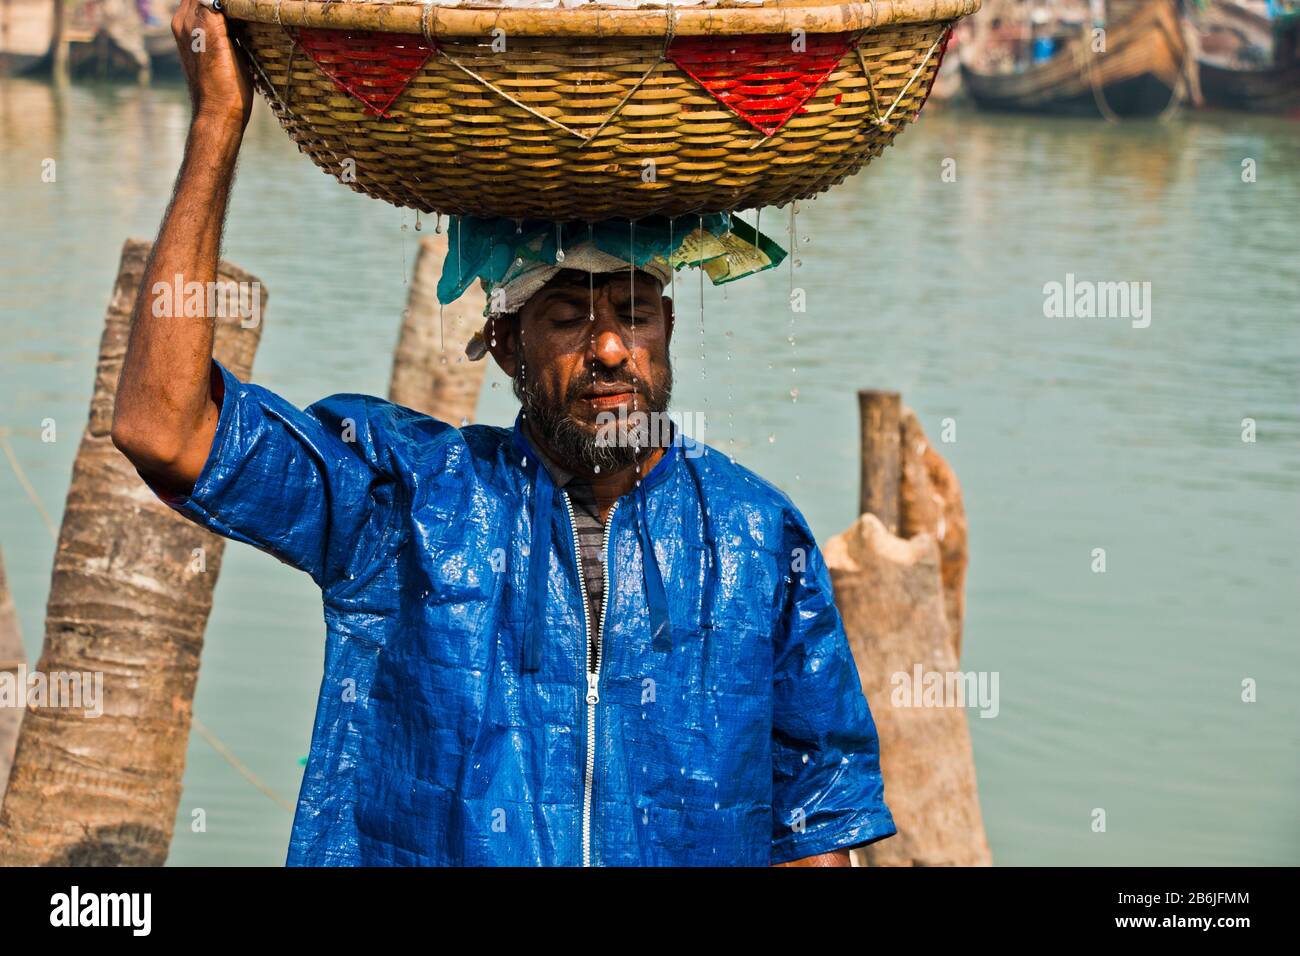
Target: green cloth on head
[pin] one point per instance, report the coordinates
(521, 255)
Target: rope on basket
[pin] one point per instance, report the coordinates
(670, 30)
(857, 48)
(280, 106)
(879, 120)
(431, 36)
(293, 51)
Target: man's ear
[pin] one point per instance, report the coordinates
(504, 331)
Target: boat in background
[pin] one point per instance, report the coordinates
(96, 38)
(1250, 60)
(25, 30)
(1142, 69)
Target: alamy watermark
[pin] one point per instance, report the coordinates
(74, 908)
(922, 688)
(62, 690)
(213, 300)
(638, 429)
(1084, 299)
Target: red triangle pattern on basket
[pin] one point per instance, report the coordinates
(374, 67)
(760, 77)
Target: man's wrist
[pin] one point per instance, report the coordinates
(217, 135)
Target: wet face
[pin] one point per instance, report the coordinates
(586, 353)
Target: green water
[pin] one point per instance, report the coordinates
(1118, 690)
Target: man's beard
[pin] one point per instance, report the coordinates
(595, 448)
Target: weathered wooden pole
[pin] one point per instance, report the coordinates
(59, 41)
(881, 456)
(893, 596)
(12, 659)
(930, 503)
(430, 371)
(129, 601)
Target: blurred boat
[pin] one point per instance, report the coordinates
(1249, 61)
(25, 29)
(104, 38)
(1140, 72)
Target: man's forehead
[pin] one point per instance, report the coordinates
(575, 281)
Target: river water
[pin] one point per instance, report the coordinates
(1119, 690)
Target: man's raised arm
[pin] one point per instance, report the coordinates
(165, 416)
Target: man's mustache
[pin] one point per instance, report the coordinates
(589, 381)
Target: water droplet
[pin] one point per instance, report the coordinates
(418, 227)
(494, 384)
(771, 439)
(463, 421)
(597, 469)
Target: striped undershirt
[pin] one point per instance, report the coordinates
(591, 537)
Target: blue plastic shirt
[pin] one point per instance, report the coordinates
(452, 725)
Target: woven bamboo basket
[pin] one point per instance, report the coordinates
(588, 112)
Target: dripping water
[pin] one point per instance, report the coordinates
(631, 288)
(704, 363)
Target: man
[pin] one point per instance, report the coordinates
(557, 644)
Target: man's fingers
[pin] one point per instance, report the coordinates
(189, 16)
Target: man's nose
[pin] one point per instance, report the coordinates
(606, 345)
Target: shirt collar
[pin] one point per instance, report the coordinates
(560, 476)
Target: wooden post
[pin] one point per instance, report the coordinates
(430, 371)
(129, 601)
(12, 657)
(898, 574)
(890, 596)
(59, 42)
(881, 456)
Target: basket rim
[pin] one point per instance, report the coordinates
(431, 20)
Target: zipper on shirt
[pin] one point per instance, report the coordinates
(592, 655)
